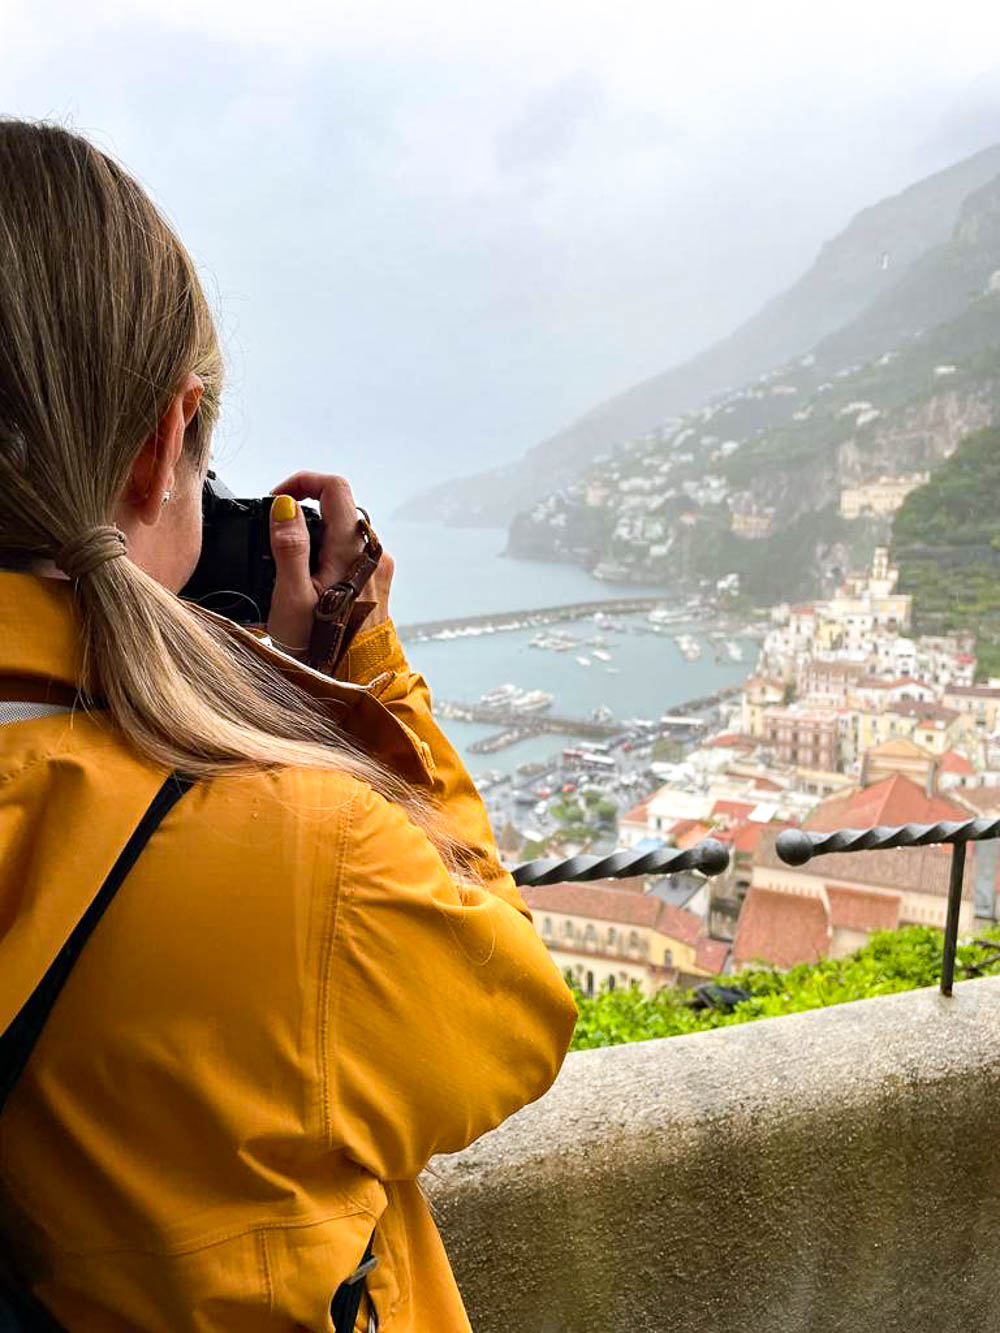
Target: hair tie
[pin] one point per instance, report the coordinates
(82, 555)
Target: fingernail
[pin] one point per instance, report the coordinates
(283, 508)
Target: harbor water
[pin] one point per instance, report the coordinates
(442, 572)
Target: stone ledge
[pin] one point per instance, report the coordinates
(832, 1171)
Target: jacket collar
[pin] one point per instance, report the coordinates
(38, 630)
(40, 659)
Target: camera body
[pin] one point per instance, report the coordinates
(235, 572)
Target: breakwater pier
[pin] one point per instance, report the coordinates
(497, 621)
(517, 726)
(529, 724)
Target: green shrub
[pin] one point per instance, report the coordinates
(892, 960)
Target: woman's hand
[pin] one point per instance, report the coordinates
(296, 590)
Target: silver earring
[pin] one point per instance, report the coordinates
(166, 497)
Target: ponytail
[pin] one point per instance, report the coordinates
(101, 318)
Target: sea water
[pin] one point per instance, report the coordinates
(443, 572)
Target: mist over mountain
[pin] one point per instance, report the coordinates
(792, 477)
(905, 264)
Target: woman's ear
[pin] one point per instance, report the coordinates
(153, 472)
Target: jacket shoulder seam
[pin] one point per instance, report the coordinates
(326, 972)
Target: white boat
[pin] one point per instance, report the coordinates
(533, 701)
(503, 694)
(689, 646)
(584, 661)
(734, 650)
(601, 655)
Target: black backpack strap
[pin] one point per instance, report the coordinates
(18, 1307)
(18, 1041)
(347, 1299)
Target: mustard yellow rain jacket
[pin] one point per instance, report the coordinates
(286, 1011)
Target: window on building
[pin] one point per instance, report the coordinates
(612, 934)
(611, 983)
(567, 927)
(590, 983)
(547, 926)
(633, 939)
(668, 957)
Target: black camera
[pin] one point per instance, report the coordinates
(235, 573)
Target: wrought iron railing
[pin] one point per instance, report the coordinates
(710, 857)
(797, 846)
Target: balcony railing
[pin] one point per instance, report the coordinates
(708, 856)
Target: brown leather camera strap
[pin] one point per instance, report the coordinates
(339, 614)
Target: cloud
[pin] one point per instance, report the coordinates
(436, 232)
(551, 123)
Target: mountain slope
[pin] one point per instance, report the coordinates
(722, 493)
(946, 541)
(852, 272)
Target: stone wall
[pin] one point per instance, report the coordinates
(835, 1171)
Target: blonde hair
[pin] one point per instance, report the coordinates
(101, 317)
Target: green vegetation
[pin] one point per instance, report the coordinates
(781, 567)
(892, 960)
(946, 540)
(585, 818)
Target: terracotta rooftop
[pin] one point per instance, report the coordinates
(621, 906)
(764, 680)
(711, 955)
(863, 909)
(899, 747)
(983, 800)
(980, 691)
(637, 815)
(924, 712)
(732, 809)
(731, 740)
(691, 836)
(953, 762)
(895, 800)
(747, 837)
(683, 827)
(781, 928)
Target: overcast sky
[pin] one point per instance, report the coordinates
(435, 231)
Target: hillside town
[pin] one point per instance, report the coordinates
(848, 721)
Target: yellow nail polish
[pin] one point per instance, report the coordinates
(283, 508)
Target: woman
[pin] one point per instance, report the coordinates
(317, 975)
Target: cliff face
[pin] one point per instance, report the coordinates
(754, 481)
(901, 266)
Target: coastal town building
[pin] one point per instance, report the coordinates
(829, 907)
(611, 936)
(883, 496)
(759, 694)
(748, 519)
(903, 756)
(802, 737)
(980, 703)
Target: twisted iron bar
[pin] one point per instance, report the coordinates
(708, 856)
(797, 846)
